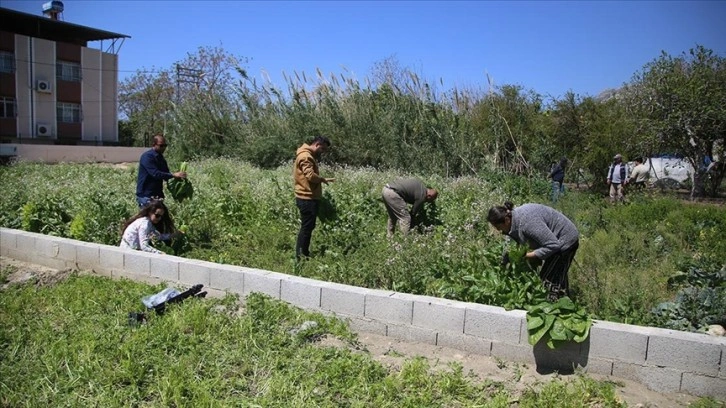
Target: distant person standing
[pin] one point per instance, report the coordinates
(617, 179)
(308, 190)
(153, 171)
(557, 174)
(398, 194)
(640, 174)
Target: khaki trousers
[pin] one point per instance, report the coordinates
(616, 192)
(397, 211)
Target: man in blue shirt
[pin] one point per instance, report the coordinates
(153, 171)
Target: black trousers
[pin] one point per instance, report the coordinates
(308, 217)
(554, 273)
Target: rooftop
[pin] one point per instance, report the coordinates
(39, 26)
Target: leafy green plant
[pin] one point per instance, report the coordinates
(49, 216)
(180, 188)
(700, 300)
(557, 323)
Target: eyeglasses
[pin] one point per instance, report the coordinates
(158, 215)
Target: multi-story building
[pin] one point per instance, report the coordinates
(54, 88)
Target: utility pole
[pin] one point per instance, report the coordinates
(186, 75)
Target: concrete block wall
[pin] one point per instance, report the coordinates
(76, 154)
(663, 360)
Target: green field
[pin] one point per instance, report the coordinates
(632, 257)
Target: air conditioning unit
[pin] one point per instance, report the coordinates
(42, 130)
(42, 86)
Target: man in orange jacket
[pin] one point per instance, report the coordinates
(308, 190)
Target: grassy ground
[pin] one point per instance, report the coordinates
(68, 343)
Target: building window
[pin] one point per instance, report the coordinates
(7, 107)
(68, 112)
(68, 71)
(7, 62)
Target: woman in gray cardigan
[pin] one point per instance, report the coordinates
(551, 236)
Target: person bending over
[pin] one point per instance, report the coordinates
(550, 235)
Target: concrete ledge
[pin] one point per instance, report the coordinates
(631, 341)
(494, 323)
(690, 352)
(438, 314)
(349, 300)
(388, 307)
(663, 360)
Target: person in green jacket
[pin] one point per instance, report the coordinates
(398, 194)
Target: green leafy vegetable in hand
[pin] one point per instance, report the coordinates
(180, 188)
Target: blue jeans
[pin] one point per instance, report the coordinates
(142, 201)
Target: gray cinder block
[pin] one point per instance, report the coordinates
(88, 255)
(137, 262)
(111, 260)
(513, 352)
(465, 342)
(693, 352)
(193, 272)
(25, 244)
(348, 300)
(226, 277)
(438, 314)
(164, 267)
(257, 280)
(618, 341)
(57, 248)
(388, 307)
(495, 323)
(412, 333)
(363, 325)
(704, 386)
(659, 379)
(8, 240)
(301, 292)
(599, 366)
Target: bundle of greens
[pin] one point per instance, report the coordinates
(557, 323)
(180, 189)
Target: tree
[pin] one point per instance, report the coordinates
(145, 100)
(193, 103)
(679, 105)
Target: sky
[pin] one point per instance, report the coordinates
(550, 47)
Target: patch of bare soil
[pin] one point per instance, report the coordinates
(24, 272)
(393, 353)
(120, 166)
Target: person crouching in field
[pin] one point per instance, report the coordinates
(398, 194)
(152, 222)
(551, 236)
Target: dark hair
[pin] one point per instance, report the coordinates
(498, 214)
(165, 225)
(157, 139)
(563, 162)
(322, 140)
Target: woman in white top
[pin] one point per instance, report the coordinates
(152, 222)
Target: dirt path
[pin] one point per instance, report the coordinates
(393, 353)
